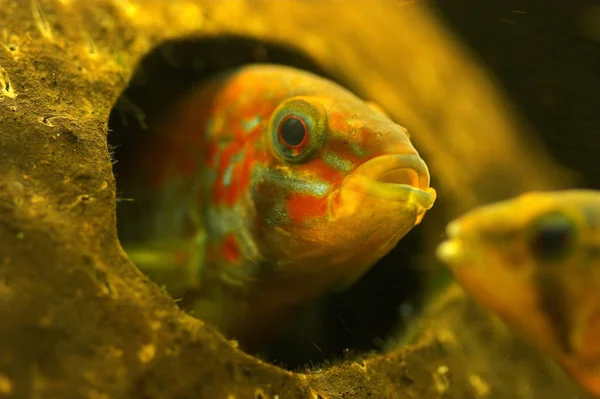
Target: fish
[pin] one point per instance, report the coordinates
(266, 187)
(534, 261)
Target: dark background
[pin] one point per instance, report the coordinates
(544, 55)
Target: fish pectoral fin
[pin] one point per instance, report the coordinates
(174, 265)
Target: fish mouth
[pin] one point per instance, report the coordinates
(399, 178)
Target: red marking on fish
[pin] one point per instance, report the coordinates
(231, 249)
(326, 172)
(302, 207)
(228, 194)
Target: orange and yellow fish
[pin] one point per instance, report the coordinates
(275, 186)
(535, 261)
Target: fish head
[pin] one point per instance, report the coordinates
(342, 186)
(535, 261)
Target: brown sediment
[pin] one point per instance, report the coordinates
(78, 320)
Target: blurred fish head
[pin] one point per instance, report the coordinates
(535, 261)
(341, 186)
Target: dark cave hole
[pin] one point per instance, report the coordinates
(353, 322)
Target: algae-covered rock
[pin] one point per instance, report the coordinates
(78, 320)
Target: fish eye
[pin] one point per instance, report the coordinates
(293, 132)
(552, 237)
(298, 129)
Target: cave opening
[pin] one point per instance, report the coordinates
(351, 323)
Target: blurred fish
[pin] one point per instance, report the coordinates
(535, 261)
(268, 187)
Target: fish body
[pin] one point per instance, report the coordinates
(535, 261)
(276, 185)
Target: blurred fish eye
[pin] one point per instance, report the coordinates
(293, 132)
(298, 129)
(552, 237)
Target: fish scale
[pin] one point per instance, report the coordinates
(274, 225)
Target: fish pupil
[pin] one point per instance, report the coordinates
(293, 132)
(553, 238)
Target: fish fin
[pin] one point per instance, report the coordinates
(240, 275)
(174, 265)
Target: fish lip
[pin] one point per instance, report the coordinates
(369, 178)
